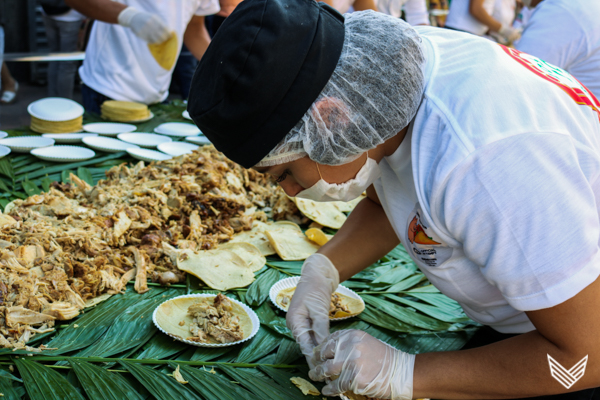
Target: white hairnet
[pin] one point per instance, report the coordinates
(373, 93)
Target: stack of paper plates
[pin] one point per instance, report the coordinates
(108, 145)
(63, 153)
(181, 129)
(3, 134)
(68, 137)
(109, 128)
(177, 149)
(148, 140)
(55, 115)
(186, 115)
(148, 155)
(24, 144)
(125, 111)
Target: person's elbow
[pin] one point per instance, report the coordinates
(475, 7)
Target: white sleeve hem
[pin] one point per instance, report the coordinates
(560, 292)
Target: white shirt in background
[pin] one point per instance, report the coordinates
(415, 10)
(119, 65)
(505, 11)
(460, 18)
(566, 33)
(495, 192)
(70, 16)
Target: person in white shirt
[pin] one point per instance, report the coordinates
(504, 12)
(118, 63)
(415, 10)
(475, 16)
(482, 160)
(566, 33)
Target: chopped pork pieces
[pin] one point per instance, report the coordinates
(62, 249)
(215, 321)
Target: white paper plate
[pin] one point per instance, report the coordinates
(180, 129)
(4, 151)
(185, 114)
(68, 137)
(109, 128)
(108, 145)
(3, 134)
(55, 109)
(177, 149)
(199, 140)
(148, 155)
(293, 282)
(63, 153)
(24, 144)
(147, 140)
(251, 314)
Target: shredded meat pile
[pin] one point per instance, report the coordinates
(216, 321)
(336, 305)
(62, 249)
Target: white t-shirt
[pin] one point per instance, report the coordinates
(495, 193)
(415, 10)
(566, 33)
(460, 18)
(119, 65)
(505, 11)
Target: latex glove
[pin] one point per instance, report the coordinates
(509, 33)
(355, 361)
(146, 26)
(308, 314)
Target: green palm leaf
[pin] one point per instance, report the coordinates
(161, 346)
(101, 384)
(210, 353)
(262, 387)
(259, 289)
(262, 344)
(161, 386)
(7, 389)
(288, 352)
(42, 383)
(212, 386)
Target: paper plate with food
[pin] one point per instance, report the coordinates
(345, 303)
(206, 320)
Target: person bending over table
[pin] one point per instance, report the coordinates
(482, 160)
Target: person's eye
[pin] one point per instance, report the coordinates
(282, 177)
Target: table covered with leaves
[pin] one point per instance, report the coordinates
(114, 351)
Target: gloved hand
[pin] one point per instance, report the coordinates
(355, 361)
(146, 26)
(509, 33)
(308, 314)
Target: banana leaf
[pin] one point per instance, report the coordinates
(42, 383)
(85, 175)
(101, 384)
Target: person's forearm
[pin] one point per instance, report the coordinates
(196, 37)
(365, 237)
(512, 368)
(101, 10)
(480, 14)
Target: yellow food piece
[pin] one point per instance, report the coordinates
(289, 242)
(165, 53)
(317, 236)
(43, 126)
(326, 214)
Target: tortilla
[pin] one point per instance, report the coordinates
(124, 111)
(324, 213)
(305, 386)
(43, 126)
(170, 314)
(256, 236)
(355, 306)
(247, 251)
(219, 269)
(165, 53)
(289, 242)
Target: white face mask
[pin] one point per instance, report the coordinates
(346, 191)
